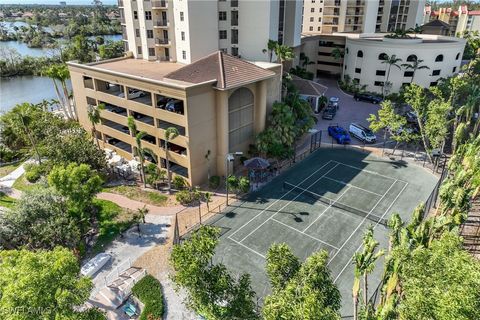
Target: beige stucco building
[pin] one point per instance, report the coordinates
(187, 30)
(459, 21)
(218, 104)
(360, 16)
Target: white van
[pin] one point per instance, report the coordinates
(362, 133)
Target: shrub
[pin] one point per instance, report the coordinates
(33, 172)
(185, 197)
(243, 184)
(214, 182)
(149, 291)
(232, 182)
(179, 182)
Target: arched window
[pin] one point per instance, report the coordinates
(240, 118)
(346, 50)
(412, 58)
(439, 58)
(458, 56)
(360, 53)
(382, 56)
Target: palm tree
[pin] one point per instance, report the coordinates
(417, 29)
(337, 54)
(93, 113)
(284, 53)
(142, 212)
(208, 197)
(390, 61)
(170, 134)
(415, 65)
(24, 119)
(271, 45)
(139, 151)
(305, 60)
(60, 73)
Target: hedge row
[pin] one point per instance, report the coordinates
(149, 291)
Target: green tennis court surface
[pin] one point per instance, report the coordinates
(323, 203)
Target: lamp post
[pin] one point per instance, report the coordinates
(229, 158)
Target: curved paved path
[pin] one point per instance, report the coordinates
(127, 203)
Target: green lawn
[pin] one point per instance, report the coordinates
(22, 184)
(135, 193)
(9, 168)
(112, 220)
(6, 201)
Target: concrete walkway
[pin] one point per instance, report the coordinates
(10, 178)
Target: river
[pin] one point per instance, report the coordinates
(29, 88)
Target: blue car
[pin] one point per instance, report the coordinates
(339, 134)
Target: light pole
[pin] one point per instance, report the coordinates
(229, 158)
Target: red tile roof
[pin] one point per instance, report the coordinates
(226, 70)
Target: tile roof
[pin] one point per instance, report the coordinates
(226, 70)
(308, 87)
(436, 23)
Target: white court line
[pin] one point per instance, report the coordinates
(247, 247)
(302, 232)
(352, 186)
(360, 224)
(288, 203)
(386, 211)
(368, 171)
(279, 199)
(348, 188)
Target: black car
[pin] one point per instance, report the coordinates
(367, 98)
(329, 113)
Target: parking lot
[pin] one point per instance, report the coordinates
(348, 112)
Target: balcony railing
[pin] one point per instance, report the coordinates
(162, 41)
(159, 4)
(161, 23)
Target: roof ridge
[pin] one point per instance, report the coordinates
(222, 69)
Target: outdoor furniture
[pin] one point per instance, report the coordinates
(130, 309)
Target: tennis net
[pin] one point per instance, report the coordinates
(335, 204)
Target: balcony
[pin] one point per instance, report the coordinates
(162, 42)
(161, 24)
(120, 3)
(335, 3)
(331, 13)
(159, 4)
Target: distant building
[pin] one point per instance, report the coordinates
(360, 16)
(63, 3)
(112, 15)
(28, 15)
(459, 20)
(436, 27)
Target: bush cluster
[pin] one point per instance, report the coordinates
(149, 292)
(238, 184)
(33, 172)
(214, 182)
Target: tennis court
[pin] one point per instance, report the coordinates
(323, 203)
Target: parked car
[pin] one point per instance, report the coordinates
(132, 94)
(175, 106)
(116, 109)
(339, 134)
(162, 102)
(113, 141)
(362, 133)
(334, 102)
(329, 113)
(367, 98)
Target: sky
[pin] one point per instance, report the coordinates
(54, 1)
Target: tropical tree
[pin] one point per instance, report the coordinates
(283, 53)
(60, 73)
(207, 196)
(93, 113)
(142, 212)
(305, 60)
(23, 120)
(170, 134)
(282, 265)
(414, 66)
(337, 54)
(271, 45)
(139, 152)
(43, 285)
(387, 120)
(390, 61)
(415, 30)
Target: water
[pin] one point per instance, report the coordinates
(25, 89)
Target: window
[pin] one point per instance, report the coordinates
(458, 56)
(139, 50)
(346, 50)
(358, 70)
(150, 34)
(234, 51)
(319, 28)
(222, 15)
(234, 36)
(312, 10)
(137, 33)
(320, 10)
(182, 35)
(433, 84)
(454, 69)
(320, 19)
(151, 52)
(360, 53)
(222, 34)
(382, 56)
(310, 28)
(184, 55)
(181, 16)
(439, 58)
(234, 18)
(311, 19)
(412, 57)
(313, 1)
(380, 73)
(378, 83)
(408, 74)
(135, 15)
(356, 80)
(148, 15)
(436, 73)
(326, 63)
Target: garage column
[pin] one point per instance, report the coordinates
(222, 130)
(260, 106)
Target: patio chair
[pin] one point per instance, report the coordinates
(130, 309)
